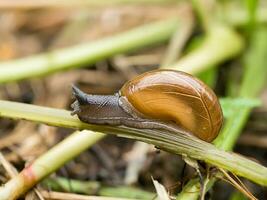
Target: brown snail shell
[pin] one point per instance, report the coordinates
(162, 96)
(179, 97)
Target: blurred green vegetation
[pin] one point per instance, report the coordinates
(226, 47)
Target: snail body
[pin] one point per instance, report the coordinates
(159, 99)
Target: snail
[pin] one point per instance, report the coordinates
(158, 99)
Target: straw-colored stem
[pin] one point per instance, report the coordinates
(48, 163)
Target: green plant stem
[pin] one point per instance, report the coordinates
(89, 53)
(232, 129)
(251, 6)
(237, 16)
(183, 144)
(49, 162)
(192, 189)
(255, 63)
(221, 43)
(71, 185)
(30, 4)
(203, 13)
(93, 187)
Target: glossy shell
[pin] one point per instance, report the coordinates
(179, 97)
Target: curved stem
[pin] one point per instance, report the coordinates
(175, 143)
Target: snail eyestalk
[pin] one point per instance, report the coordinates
(79, 95)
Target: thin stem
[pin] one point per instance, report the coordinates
(255, 64)
(30, 4)
(89, 53)
(49, 162)
(203, 10)
(176, 143)
(178, 41)
(237, 16)
(90, 187)
(221, 43)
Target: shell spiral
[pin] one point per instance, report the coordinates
(175, 96)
